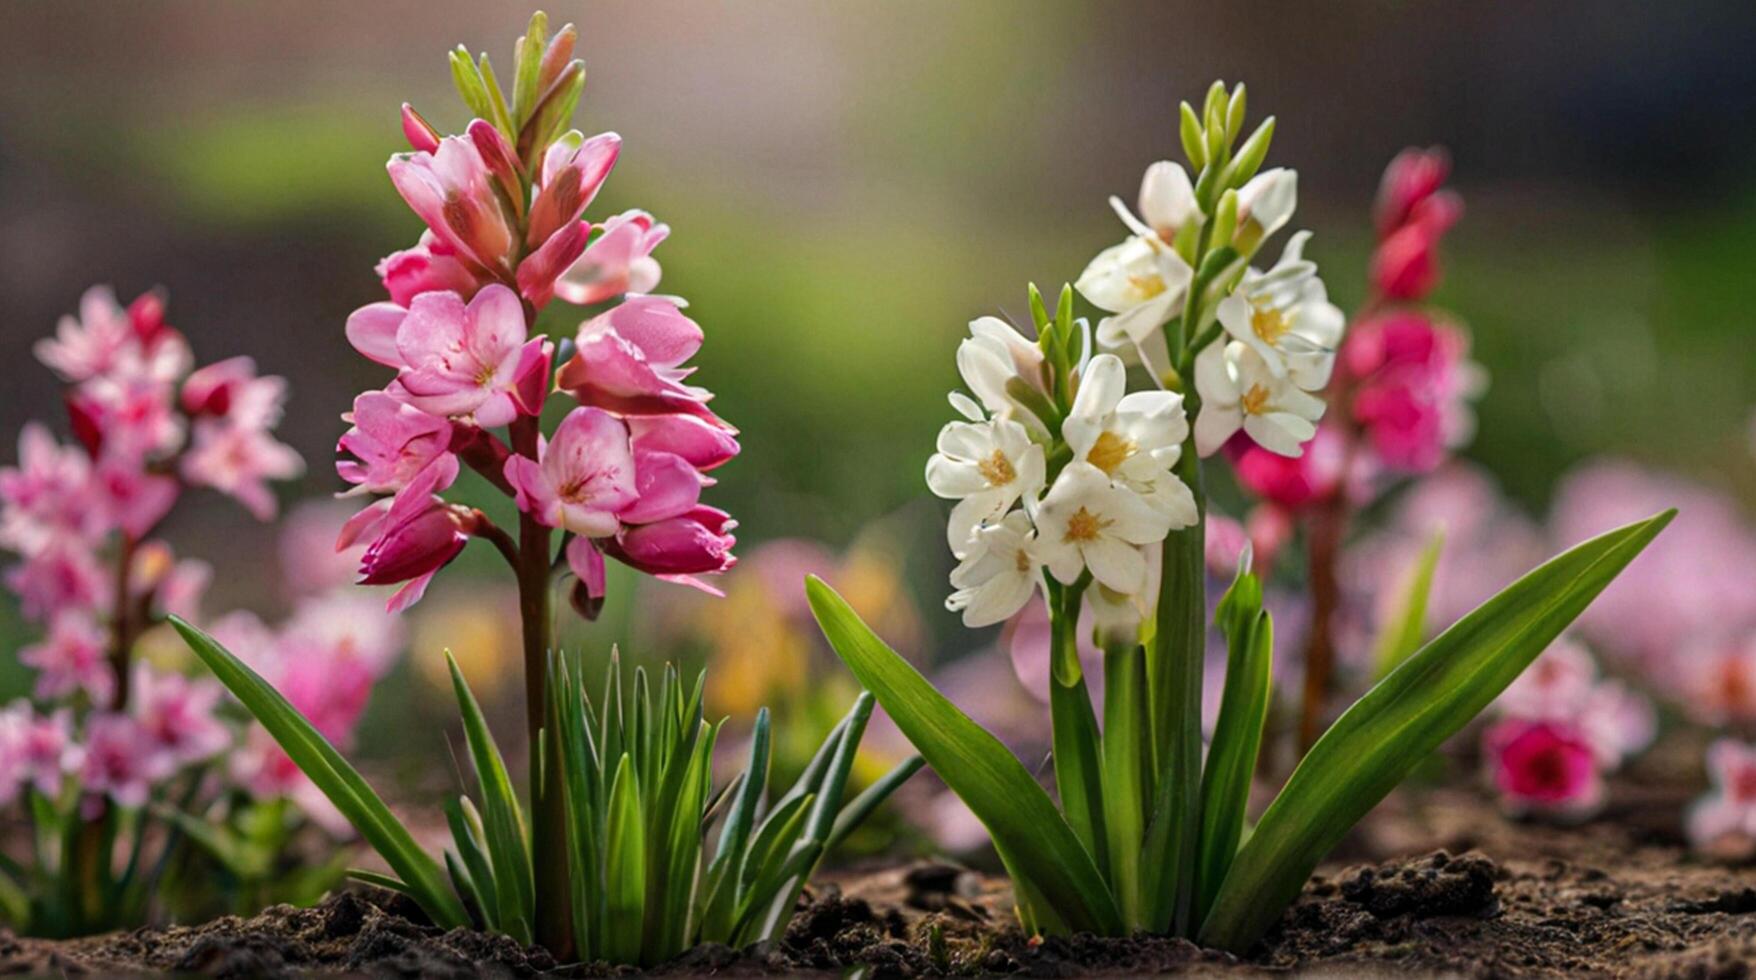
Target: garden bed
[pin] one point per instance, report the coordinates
(1442, 885)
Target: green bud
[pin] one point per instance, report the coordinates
(1250, 155)
(1190, 129)
(1039, 312)
(1216, 100)
(469, 83)
(1064, 310)
(527, 65)
(1218, 147)
(1235, 115)
(1225, 218)
(502, 117)
(552, 114)
(1187, 240)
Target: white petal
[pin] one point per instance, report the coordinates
(1167, 199)
(1214, 426)
(1280, 432)
(999, 599)
(966, 406)
(953, 479)
(1213, 379)
(1115, 564)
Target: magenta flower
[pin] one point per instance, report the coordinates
(177, 715)
(1544, 766)
(618, 261)
(1412, 177)
(1292, 482)
(392, 443)
(70, 659)
(630, 361)
(584, 478)
(118, 759)
(413, 536)
(1724, 821)
(679, 548)
(453, 192)
(131, 419)
(1414, 384)
(704, 444)
(474, 360)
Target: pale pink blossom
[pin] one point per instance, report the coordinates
(1724, 821)
(310, 564)
(73, 657)
(128, 498)
(177, 716)
(392, 442)
(118, 759)
(129, 420)
(34, 749)
(1716, 679)
(239, 461)
(232, 390)
(453, 191)
(584, 478)
(618, 261)
(352, 626)
(429, 266)
(107, 341)
(630, 361)
(61, 575)
(573, 172)
(45, 494)
(474, 360)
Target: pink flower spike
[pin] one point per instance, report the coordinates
(71, 658)
(698, 542)
(238, 461)
(422, 137)
(572, 176)
(1724, 821)
(392, 443)
(584, 477)
(704, 445)
(452, 191)
(630, 358)
(619, 261)
(470, 360)
(1544, 765)
(177, 715)
(667, 486)
(1411, 178)
(118, 759)
(428, 267)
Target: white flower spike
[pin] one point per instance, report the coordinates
(985, 467)
(1239, 391)
(1285, 316)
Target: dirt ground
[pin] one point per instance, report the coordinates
(1438, 884)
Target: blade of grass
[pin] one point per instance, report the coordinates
(625, 872)
(1402, 635)
(873, 797)
(332, 774)
(987, 777)
(1231, 760)
(1402, 719)
(508, 847)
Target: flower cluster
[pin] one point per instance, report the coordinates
(1087, 500)
(1561, 729)
(1724, 821)
(80, 515)
(505, 234)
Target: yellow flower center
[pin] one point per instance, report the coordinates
(1254, 401)
(997, 470)
(1109, 452)
(1146, 287)
(1022, 560)
(1270, 324)
(485, 375)
(1084, 526)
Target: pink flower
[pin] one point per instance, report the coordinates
(415, 534)
(585, 477)
(1724, 821)
(351, 626)
(472, 360)
(231, 390)
(1718, 685)
(453, 192)
(45, 495)
(238, 461)
(1412, 177)
(430, 266)
(177, 716)
(62, 575)
(33, 750)
(679, 548)
(309, 563)
(131, 419)
(71, 658)
(618, 261)
(1414, 382)
(1288, 481)
(1027, 641)
(107, 341)
(1545, 766)
(129, 498)
(118, 759)
(393, 442)
(422, 137)
(704, 444)
(264, 771)
(1405, 265)
(1556, 686)
(630, 361)
(572, 174)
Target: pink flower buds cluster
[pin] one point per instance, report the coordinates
(1412, 382)
(80, 514)
(1413, 213)
(623, 472)
(1561, 729)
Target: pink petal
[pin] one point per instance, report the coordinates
(668, 487)
(703, 444)
(587, 563)
(372, 329)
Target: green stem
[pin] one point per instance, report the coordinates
(1073, 725)
(1124, 776)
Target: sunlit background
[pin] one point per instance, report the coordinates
(848, 185)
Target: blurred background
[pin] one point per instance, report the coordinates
(849, 184)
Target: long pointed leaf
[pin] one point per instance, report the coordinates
(508, 847)
(625, 870)
(988, 778)
(1403, 634)
(1231, 761)
(332, 774)
(1402, 719)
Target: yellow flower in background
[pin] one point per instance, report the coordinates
(480, 628)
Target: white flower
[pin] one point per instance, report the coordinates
(1269, 199)
(1142, 281)
(1086, 521)
(985, 467)
(1167, 201)
(1116, 617)
(1238, 391)
(1135, 439)
(1285, 316)
(1000, 574)
(993, 355)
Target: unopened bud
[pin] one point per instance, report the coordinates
(1250, 155)
(1235, 114)
(1225, 217)
(422, 137)
(1189, 128)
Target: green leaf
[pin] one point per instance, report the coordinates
(508, 848)
(469, 83)
(989, 780)
(1402, 635)
(526, 67)
(1127, 729)
(1237, 735)
(1402, 719)
(862, 806)
(625, 869)
(466, 836)
(380, 880)
(332, 774)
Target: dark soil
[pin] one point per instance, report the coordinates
(1481, 896)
